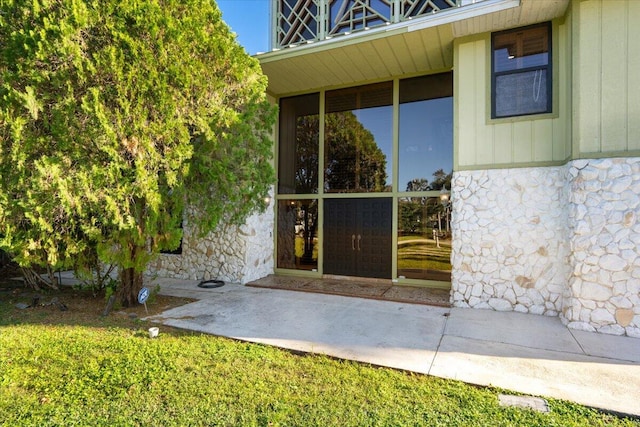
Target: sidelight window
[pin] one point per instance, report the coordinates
(425, 156)
(298, 234)
(425, 152)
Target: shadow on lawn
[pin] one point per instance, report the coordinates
(72, 306)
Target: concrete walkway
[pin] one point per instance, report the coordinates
(525, 353)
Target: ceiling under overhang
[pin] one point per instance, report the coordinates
(412, 47)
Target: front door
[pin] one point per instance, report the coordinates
(357, 237)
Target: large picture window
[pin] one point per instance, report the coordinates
(521, 71)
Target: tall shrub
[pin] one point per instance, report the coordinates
(114, 116)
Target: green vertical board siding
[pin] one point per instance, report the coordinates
(482, 142)
(606, 89)
(633, 75)
(562, 93)
(522, 142)
(465, 92)
(503, 134)
(614, 77)
(542, 134)
(587, 79)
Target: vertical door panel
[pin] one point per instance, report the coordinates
(375, 221)
(340, 226)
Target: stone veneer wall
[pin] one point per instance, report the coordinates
(554, 241)
(510, 246)
(235, 254)
(604, 219)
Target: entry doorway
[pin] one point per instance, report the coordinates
(358, 237)
(361, 175)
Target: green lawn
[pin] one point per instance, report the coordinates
(416, 252)
(66, 375)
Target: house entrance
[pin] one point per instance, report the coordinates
(358, 237)
(364, 175)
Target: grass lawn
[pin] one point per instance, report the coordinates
(92, 371)
(418, 252)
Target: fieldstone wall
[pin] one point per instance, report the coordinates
(230, 253)
(604, 218)
(510, 248)
(259, 246)
(555, 241)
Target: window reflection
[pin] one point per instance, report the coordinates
(299, 145)
(424, 238)
(358, 139)
(521, 71)
(298, 234)
(425, 154)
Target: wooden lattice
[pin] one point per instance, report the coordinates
(415, 8)
(298, 21)
(353, 15)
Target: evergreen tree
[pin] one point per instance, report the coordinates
(119, 119)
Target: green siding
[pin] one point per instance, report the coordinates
(607, 65)
(482, 142)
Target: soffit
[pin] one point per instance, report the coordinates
(412, 47)
(529, 12)
(371, 60)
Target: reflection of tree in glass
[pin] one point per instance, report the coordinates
(354, 162)
(418, 184)
(442, 180)
(297, 229)
(309, 218)
(307, 136)
(414, 210)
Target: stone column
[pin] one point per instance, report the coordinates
(605, 246)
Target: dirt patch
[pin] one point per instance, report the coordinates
(71, 306)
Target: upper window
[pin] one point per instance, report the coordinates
(521, 71)
(425, 146)
(358, 130)
(298, 154)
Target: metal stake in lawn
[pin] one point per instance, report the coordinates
(143, 295)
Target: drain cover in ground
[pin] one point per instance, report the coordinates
(535, 403)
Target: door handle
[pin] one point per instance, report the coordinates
(353, 242)
(359, 237)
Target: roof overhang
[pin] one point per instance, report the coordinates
(411, 47)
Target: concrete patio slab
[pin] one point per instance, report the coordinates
(541, 332)
(403, 336)
(598, 382)
(525, 353)
(609, 346)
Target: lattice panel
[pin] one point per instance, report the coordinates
(414, 8)
(354, 15)
(298, 21)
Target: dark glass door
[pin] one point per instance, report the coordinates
(340, 233)
(357, 236)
